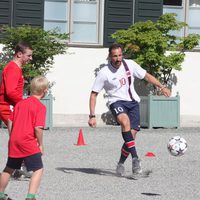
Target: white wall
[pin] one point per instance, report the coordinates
(188, 84)
(74, 76)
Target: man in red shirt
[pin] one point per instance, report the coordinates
(12, 86)
(12, 81)
(26, 138)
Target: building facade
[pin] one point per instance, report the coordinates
(90, 24)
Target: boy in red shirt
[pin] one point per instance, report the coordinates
(26, 138)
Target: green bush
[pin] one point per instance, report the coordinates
(147, 43)
(46, 44)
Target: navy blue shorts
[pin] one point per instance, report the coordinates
(32, 163)
(131, 108)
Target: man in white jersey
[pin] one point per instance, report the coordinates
(117, 79)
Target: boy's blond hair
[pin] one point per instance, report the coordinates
(38, 85)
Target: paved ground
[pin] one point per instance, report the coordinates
(88, 172)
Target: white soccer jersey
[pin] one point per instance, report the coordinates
(115, 81)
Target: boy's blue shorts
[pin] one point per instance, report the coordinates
(32, 163)
(131, 108)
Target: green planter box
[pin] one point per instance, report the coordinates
(48, 102)
(160, 111)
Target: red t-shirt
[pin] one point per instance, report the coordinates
(28, 114)
(12, 84)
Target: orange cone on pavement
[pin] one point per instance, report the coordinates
(80, 140)
(150, 154)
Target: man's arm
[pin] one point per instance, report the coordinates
(11, 80)
(39, 136)
(151, 79)
(92, 105)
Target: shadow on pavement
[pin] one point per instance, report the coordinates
(150, 194)
(101, 172)
(87, 171)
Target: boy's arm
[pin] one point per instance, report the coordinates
(39, 136)
(9, 126)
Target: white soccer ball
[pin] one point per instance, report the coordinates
(177, 146)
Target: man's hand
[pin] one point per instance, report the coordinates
(151, 79)
(166, 92)
(92, 122)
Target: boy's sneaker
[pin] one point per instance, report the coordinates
(136, 166)
(120, 169)
(30, 199)
(17, 174)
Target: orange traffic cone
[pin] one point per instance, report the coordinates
(150, 154)
(80, 140)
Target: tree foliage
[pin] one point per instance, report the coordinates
(148, 42)
(46, 44)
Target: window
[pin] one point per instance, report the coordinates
(173, 3)
(83, 19)
(193, 16)
(187, 11)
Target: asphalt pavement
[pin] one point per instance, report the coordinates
(87, 172)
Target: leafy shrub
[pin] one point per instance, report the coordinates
(46, 44)
(147, 43)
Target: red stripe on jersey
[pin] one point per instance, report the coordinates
(128, 73)
(130, 144)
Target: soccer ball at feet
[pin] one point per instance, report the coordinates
(177, 146)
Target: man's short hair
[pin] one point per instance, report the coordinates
(115, 46)
(22, 46)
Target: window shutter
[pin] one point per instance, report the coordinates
(28, 12)
(118, 15)
(148, 10)
(5, 12)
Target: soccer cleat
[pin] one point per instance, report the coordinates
(21, 173)
(5, 197)
(136, 166)
(120, 169)
(25, 173)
